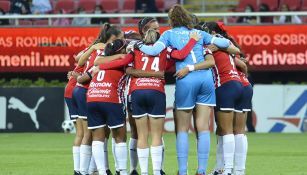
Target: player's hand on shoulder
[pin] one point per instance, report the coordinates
(195, 35)
(130, 46)
(182, 73)
(138, 45)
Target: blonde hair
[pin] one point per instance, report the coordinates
(151, 36)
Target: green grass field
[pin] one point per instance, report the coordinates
(50, 154)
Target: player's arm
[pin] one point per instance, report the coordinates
(84, 78)
(185, 51)
(84, 57)
(155, 49)
(78, 56)
(221, 43)
(143, 74)
(107, 59)
(117, 63)
(232, 49)
(206, 64)
(241, 65)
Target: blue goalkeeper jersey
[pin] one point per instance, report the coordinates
(177, 38)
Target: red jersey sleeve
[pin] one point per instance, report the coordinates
(117, 63)
(184, 52)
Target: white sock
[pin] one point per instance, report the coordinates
(121, 157)
(228, 150)
(163, 154)
(98, 154)
(85, 158)
(76, 157)
(93, 166)
(106, 157)
(219, 154)
(133, 154)
(240, 151)
(143, 155)
(156, 157)
(114, 154)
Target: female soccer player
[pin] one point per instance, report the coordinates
(106, 109)
(108, 34)
(241, 143)
(229, 92)
(73, 113)
(148, 99)
(200, 92)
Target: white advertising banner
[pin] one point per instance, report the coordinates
(280, 108)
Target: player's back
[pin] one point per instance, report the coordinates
(225, 68)
(178, 38)
(104, 86)
(150, 64)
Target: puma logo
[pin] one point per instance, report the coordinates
(15, 103)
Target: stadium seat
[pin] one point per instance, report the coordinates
(67, 5)
(129, 6)
(41, 22)
(273, 4)
(243, 3)
(5, 5)
(293, 4)
(110, 6)
(131, 21)
(25, 22)
(304, 5)
(88, 5)
(114, 20)
(169, 3)
(160, 5)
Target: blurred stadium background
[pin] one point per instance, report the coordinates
(38, 39)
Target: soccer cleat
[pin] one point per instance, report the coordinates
(108, 172)
(200, 174)
(216, 172)
(117, 173)
(162, 172)
(134, 172)
(76, 173)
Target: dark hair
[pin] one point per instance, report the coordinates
(214, 26)
(115, 47)
(195, 20)
(131, 35)
(143, 24)
(106, 32)
(264, 8)
(202, 26)
(179, 16)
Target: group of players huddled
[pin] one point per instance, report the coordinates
(124, 73)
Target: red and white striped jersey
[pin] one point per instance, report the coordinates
(150, 64)
(72, 82)
(89, 65)
(106, 86)
(243, 78)
(225, 69)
